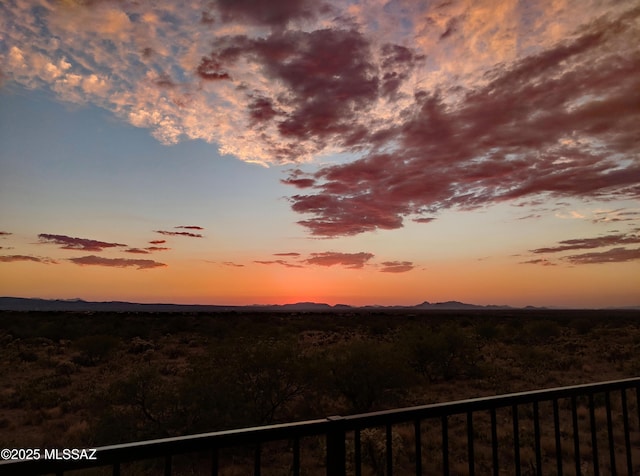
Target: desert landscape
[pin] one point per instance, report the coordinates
(99, 378)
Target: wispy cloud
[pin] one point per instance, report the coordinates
(93, 260)
(137, 251)
(281, 262)
(397, 266)
(179, 233)
(82, 244)
(614, 255)
(158, 242)
(5, 233)
(291, 254)
(540, 261)
(589, 243)
(157, 248)
(35, 259)
(191, 227)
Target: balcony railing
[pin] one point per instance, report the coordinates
(589, 429)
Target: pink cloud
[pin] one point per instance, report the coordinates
(348, 260)
(93, 260)
(397, 266)
(561, 122)
(82, 244)
(14, 258)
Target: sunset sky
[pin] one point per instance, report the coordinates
(340, 151)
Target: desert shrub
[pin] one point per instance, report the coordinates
(95, 348)
(542, 331)
(366, 373)
(442, 353)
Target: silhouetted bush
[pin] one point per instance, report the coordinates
(95, 348)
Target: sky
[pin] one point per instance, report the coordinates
(341, 151)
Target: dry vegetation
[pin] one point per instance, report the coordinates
(87, 380)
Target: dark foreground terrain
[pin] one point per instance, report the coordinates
(91, 379)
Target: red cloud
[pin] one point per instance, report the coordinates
(561, 123)
(157, 242)
(117, 262)
(12, 258)
(179, 233)
(349, 260)
(588, 243)
(83, 244)
(614, 255)
(397, 266)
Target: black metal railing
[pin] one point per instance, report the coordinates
(582, 429)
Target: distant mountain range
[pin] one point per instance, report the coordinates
(79, 305)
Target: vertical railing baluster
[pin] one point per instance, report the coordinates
(576, 435)
(296, 456)
(612, 448)
(389, 450)
(536, 435)
(256, 460)
(472, 464)
(418, 438)
(167, 465)
(556, 425)
(215, 462)
(116, 469)
(445, 446)
(357, 453)
(516, 438)
(625, 422)
(336, 450)
(494, 443)
(594, 435)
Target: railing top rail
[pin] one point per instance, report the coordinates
(246, 436)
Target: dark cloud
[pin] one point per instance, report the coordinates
(179, 233)
(157, 242)
(563, 123)
(424, 219)
(614, 255)
(329, 76)
(157, 248)
(5, 233)
(589, 243)
(190, 227)
(267, 12)
(93, 260)
(13, 258)
(397, 266)
(287, 254)
(82, 244)
(137, 251)
(348, 260)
